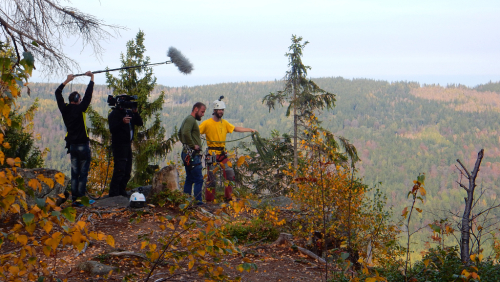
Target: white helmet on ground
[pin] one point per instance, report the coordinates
(137, 200)
(219, 105)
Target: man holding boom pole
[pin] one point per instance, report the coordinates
(77, 137)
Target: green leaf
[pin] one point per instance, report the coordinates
(421, 178)
(344, 255)
(34, 43)
(85, 201)
(28, 57)
(9, 94)
(435, 228)
(41, 279)
(20, 182)
(40, 202)
(69, 213)
(56, 213)
(31, 192)
(28, 218)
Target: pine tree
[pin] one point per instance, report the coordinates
(149, 142)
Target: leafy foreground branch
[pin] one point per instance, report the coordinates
(196, 237)
(38, 231)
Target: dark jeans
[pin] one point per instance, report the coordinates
(194, 176)
(122, 157)
(80, 163)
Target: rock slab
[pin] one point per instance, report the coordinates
(46, 191)
(115, 202)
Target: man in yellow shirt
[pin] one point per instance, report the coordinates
(215, 130)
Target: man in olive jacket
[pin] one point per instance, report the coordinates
(191, 139)
(122, 124)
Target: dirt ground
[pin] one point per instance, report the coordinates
(273, 263)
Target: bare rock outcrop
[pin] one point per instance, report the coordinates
(166, 178)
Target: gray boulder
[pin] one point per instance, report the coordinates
(166, 178)
(46, 191)
(96, 268)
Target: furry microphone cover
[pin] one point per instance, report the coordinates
(181, 62)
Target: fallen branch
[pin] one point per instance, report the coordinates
(133, 254)
(98, 213)
(68, 271)
(287, 239)
(207, 213)
(83, 250)
(311, 255)
(80, 216)
(254, 243)
(128, 253)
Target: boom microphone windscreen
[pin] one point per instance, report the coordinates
(181, 62)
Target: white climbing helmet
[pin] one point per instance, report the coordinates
(137, 200)
(219, 105)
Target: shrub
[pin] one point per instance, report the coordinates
(167, 196)
(257, 229)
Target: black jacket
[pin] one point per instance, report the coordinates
(74, 116)
(120, 131)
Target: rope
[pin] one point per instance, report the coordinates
(228, 141)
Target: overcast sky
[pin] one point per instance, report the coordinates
(232, 41)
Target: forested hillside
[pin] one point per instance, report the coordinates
(400, 129)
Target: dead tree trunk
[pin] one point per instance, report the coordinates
(466, 218)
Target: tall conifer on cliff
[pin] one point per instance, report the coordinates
(149, 141)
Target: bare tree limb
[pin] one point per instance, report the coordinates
(463, 186)
(486, 210)
(466, 171)
(42, 27)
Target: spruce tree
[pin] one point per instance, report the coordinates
(149, 141)
(302, 94)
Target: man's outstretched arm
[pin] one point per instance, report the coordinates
(88, 93)
(59, 97)
(244, 129)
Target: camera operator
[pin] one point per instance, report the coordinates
(122, 124)
(77, 138)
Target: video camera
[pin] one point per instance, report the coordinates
(123, 101)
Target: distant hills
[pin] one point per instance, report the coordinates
(400, 129)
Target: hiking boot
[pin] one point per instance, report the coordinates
(77, 205)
